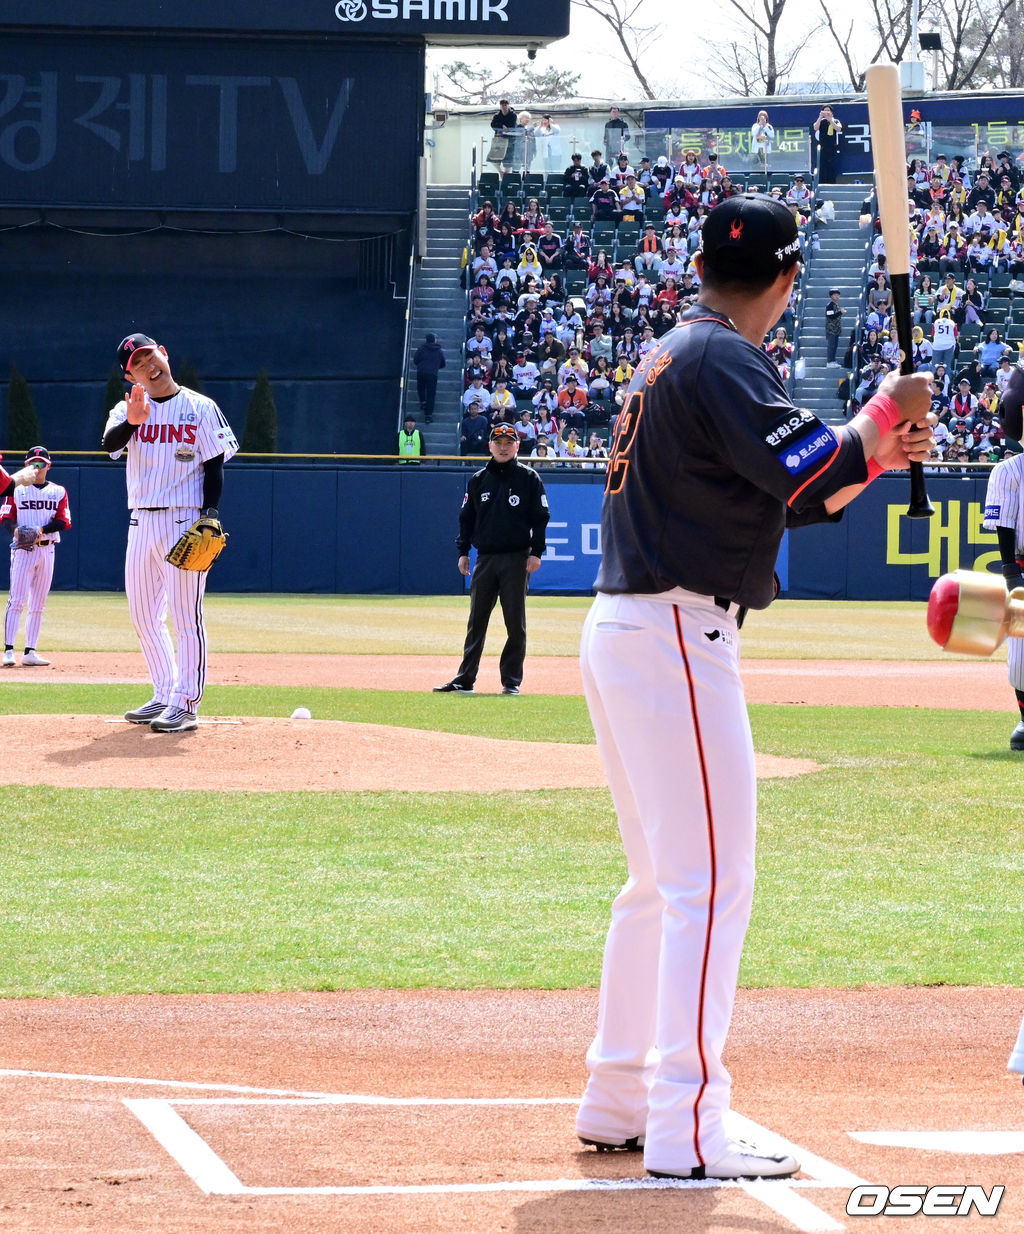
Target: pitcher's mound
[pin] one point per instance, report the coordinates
(274, 755)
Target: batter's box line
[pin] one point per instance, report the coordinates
(214, 1177)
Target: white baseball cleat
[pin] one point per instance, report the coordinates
(32, 659)
(147, 712)
(8, 659)
(741, 1161)
(174, 720)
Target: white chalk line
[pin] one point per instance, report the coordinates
(963, 1143)
(214, 1177)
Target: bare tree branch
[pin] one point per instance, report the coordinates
(759, 63)
(630, 37)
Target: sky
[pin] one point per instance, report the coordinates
(675, 59)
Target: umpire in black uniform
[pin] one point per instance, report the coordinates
(503, 517)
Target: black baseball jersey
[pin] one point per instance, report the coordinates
(710, 463)
(505, 510)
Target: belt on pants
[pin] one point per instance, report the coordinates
(153, 509)
(43, 543)
(723, 602)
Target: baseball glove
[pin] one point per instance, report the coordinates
(200, 546)
(26, 537)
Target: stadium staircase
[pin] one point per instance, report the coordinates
(439, 307)
(838, 263)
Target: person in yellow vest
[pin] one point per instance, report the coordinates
(410, 441)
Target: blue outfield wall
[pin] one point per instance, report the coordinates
(391, 530)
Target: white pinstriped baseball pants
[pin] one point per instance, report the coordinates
(31, 576)
(155, 589)
(661, 676)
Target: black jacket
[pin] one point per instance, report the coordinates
(505, 511)
(429, 358)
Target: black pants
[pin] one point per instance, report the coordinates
(497, 577)
(426, 388)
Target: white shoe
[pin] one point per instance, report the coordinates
(8, 659)
(32, 659)
(174, 720)
(634, 1144)
(833, 364)
(741, 1161)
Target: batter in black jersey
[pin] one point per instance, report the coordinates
(710, 463)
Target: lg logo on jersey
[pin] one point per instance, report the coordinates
(909, 1201)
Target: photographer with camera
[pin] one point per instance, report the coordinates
(827, 131)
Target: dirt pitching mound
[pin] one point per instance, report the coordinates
(274, 755)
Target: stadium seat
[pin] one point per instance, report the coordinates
(629, 235)
(575, 281)
(1017, 309)
(487, 182)
(512, 184)
(558, 213)
(655, 210)
(997, 309)
(533, 184)
(603, 233)
(970, 336)
(1000, 279)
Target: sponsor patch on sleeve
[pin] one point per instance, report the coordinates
(782, 433)
(810, 450)
(991, 513)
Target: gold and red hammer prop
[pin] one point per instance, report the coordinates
(970, 612)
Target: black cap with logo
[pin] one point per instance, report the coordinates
(750, 235)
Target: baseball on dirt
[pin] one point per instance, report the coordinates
(302, 713)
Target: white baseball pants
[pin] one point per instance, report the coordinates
(661, 675)
(31, 575)
(1016, 1062)
(155, 589)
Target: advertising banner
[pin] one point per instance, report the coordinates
(462, 20)
(200, 123)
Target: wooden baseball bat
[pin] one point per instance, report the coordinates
(889, 148)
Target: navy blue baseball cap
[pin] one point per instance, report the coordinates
(750, 236)
(38, 454)
(131, 344)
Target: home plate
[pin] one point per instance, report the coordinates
(966, 1143)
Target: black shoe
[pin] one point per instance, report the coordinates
(1017, 737)
(453, 687)
(510, 689)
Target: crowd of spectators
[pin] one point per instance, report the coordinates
(967, 278)
(574, 277)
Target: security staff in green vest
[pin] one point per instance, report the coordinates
(410, 441)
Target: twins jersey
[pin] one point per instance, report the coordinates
(36, 505)
(167, 452)
(1003, 507)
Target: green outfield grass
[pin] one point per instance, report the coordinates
(436, 625)
(900, 863)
